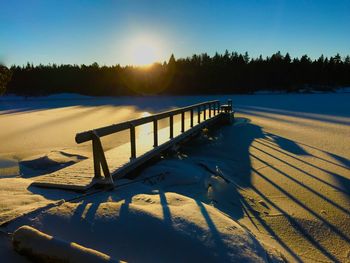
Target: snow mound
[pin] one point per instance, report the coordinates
(158, 227)
(19, 198)
(198, 178)
(43, 164)
(44, 248)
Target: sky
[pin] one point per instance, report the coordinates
(113, 32)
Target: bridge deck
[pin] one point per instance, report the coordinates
(80, 176)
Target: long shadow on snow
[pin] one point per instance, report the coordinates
(112, 240)
(234, 146)
(149, 103)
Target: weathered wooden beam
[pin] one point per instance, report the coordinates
(132, 142)
(171, 126)
(191, 121)
(182, 122)
(155, 133)
(99, 158)
(103, 131)
(199, 114)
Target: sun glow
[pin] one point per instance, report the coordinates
(144, 51)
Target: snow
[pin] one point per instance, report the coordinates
(44, 248)
(59, 96)
(281, 171)
(137, 224)
(19, 198)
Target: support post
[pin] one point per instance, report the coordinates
(210, 110)
(99, 158)
(96, 156)
(132, 141)
(191, 118)
(171, 126)
(155, 133)
(199, 114)
(229, 103)
(183, 122)
(205, 112)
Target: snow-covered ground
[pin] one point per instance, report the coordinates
(281, 171)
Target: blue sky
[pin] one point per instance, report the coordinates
(78, 32)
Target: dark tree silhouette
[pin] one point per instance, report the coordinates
(199, 74)
(5, 76)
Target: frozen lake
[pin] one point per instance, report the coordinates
(286, 161)
(37, 126)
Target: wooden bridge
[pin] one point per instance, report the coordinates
(121, 160)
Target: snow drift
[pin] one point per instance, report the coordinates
(154, 227)
(44, 248)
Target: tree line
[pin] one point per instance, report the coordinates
(229, 72)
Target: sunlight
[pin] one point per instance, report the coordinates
(147, 128)
(144, 51)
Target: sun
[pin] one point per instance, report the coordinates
(144, 51)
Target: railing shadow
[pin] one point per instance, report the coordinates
(149, 103)
(255, 156)
(126, 228)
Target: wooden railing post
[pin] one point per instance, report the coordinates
(99, 158)
(96, 156)
(205, 111)
(171, 126)
(229, 102)
(199, 114)
(210, 110)
(155, 133)
(183, 122)
(132, 141)
(191, 118)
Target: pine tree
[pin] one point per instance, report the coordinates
(5, 77)
(287, 58)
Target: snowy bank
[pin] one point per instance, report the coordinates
(157, 227)
(41, 247)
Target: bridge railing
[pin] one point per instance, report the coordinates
(208, 109)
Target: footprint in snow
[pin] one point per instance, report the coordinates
(261, 202)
